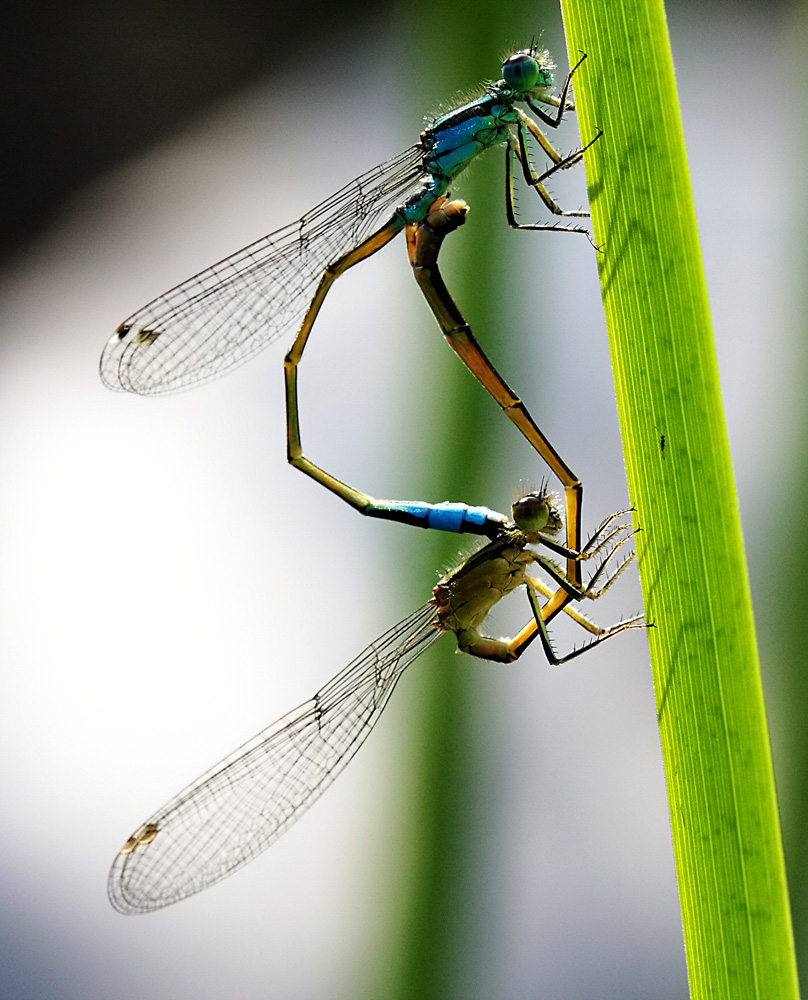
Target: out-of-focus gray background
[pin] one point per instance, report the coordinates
(170, 586)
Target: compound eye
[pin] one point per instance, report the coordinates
(521, 71)
(531, 513)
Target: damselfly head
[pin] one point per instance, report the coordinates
(536, 512)
(528, 69)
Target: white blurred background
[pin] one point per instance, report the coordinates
(170, 585)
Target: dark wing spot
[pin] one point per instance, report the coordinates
(145, 336)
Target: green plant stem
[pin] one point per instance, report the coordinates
(712, 722)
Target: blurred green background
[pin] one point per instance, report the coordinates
(170, 586)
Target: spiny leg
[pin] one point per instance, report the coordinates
(294, 448)
(535, 587)
(605, 538)
(423, 245)
(596, 543)
(558, 102)
(507, 650)
(555, 102)
(559, 162)
(575, 615)
(511, 150)
(589, 591)
(532, 179)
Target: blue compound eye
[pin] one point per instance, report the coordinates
(521, 71)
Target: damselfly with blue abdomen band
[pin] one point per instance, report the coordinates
(243, 804)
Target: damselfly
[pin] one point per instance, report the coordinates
(221, 316)
(244, 803)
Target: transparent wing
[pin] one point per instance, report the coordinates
(244, 803)
(223, 315)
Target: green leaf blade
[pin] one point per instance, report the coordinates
(690, 550)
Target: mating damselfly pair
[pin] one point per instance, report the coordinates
(217, 319)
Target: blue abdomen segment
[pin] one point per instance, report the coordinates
(458, 517)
